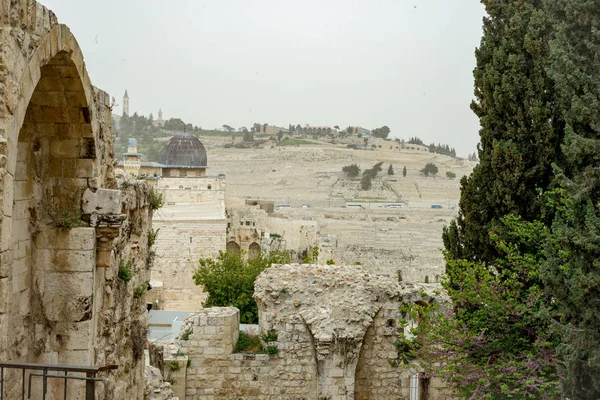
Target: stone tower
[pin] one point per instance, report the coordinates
(126, 103)
(160, 114)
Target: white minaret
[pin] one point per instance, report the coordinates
(160, 115)
(126, 103)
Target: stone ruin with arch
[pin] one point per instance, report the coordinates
(74, 262)
(66, 227)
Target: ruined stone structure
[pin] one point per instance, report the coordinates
(253, 226)
(66, 229)
(334, 329)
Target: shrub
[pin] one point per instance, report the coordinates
(155, 199)
(186, 335)
(139, 291)
(272, 350)
(426, 278)
(174, 365)
(269, 336)
(125, 272)
(248, 342)
(330, 262)
(68, 220)
(229, 280)
(152, 234)
(450, 175)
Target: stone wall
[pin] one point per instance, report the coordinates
(251, 228)
(335, 331)
(192, 190)
(64, 225)
(179, 246)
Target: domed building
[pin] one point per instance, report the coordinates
(183, 156)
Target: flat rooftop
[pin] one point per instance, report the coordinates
(191, 212)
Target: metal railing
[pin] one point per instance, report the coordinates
(52, 372)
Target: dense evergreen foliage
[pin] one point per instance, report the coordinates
(518, 137)
(573, 270)
(494, 248)
(536, 187)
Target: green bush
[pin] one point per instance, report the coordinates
(248, 343)
(229, 281)
(139, 291)
(68, 219)
(152, 235)
(155, 198)
(186, 334)
(269, 336)
(450, 174)
(272, 350)
(125, 272)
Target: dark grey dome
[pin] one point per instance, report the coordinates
(183, 150)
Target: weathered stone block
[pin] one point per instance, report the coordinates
(103, 201)
(71, 239)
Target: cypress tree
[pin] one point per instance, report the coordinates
(572, 273)
(518, 139)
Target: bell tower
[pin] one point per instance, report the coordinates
(126, 103)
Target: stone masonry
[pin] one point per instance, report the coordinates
(65, 227)
(335, 328)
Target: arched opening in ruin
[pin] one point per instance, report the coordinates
(253, 250)
(52, 251)
(233, 248)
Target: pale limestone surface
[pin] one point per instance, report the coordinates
(381, 239)
(186, 233)
(335, 327)
(65, 228)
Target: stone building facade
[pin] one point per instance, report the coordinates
(66, 228)
(253, 226)
(334, 329)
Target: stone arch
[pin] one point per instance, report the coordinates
(253, 250)
(232, 247)
(49, 160)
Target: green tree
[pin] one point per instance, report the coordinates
(279, 135)
(518, 136)
(351, 170)
(430, 169)
(365, 182)
(229, 280)
(228, 128)
(503, 347)
(404, 171)
(382, 132)
(390, 170)
(572, 274)
(493, 257)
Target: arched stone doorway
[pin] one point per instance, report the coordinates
(253, 250)
(55, 158)
(48, 153)
(233, 248)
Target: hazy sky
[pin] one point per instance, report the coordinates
(402, 63)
